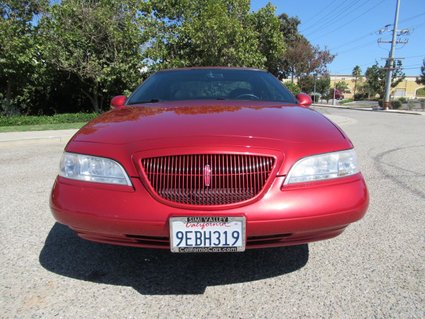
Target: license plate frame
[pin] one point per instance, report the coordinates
(202, 226)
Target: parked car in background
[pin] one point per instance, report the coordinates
(339, 95)
(209, 160)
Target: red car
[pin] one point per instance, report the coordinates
(339, 95)
(209, 160)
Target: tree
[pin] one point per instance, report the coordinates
(306, 83)
(98, 42)
(289, 27)
(323, 84)
(271, 41)
(302, 59)
(357, 73)
(421, 78)
(297, 57)
(289, 30)
(209, 33)
(375, 78)
(18, 51)
(293, 87)
(342, 86)
(73, 55)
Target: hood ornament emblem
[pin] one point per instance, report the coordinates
(207, 175)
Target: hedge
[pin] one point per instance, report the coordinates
(44, 119)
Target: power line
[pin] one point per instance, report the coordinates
(352, 20)
(356, 47)
(352, 41)
(361, 65)
(414, 56)
(339, 15)
(412, 68)
(334, 14)
(412, 17)
(312, 23)
(418, 26)
(318, 17)
(407, 67)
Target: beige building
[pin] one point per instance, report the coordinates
(407, 88)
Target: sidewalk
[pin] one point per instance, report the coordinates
(368, 109)
(54, 136)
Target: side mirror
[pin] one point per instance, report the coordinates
(304, 100)
(118, 102)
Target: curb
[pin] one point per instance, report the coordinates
(36, 137)
(368, 109)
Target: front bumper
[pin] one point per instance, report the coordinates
(132, 217)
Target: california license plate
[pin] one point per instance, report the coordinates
(207, 234)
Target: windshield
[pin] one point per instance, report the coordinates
(211, 84)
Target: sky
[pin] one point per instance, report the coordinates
(350, 29)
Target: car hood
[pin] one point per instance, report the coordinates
(227, 119)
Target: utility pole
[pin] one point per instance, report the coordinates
(390, 65)
(390, 61)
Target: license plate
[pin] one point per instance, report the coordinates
(207, 234)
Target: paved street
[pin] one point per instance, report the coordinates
(375, 269)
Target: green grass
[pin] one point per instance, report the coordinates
(18, 120)
(21, 123)
(346, 101)
(41, 127)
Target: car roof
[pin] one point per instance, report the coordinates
(212, 67)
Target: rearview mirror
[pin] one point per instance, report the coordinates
(118, 102)
(304, 100)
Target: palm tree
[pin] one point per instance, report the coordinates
(357, 73)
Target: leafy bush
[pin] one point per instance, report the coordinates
(54, 119)
(360, 96)
(410, 104)
(420, 92)
(402, 100)
(8, 107)
(346, 101)
(293, 87)
(396, 104)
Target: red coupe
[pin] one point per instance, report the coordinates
(209, 160)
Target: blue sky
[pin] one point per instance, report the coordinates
(349, 28)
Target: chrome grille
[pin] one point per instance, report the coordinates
(208, 179)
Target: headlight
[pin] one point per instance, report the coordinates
(323, 166)
(92, 169)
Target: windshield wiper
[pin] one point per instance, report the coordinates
(145, 101)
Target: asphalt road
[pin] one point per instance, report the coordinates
(375, 269)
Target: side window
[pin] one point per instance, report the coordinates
(275, 95)
(274, 90)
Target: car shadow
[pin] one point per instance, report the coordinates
(160, 272)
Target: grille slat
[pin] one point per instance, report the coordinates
(183, 179)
